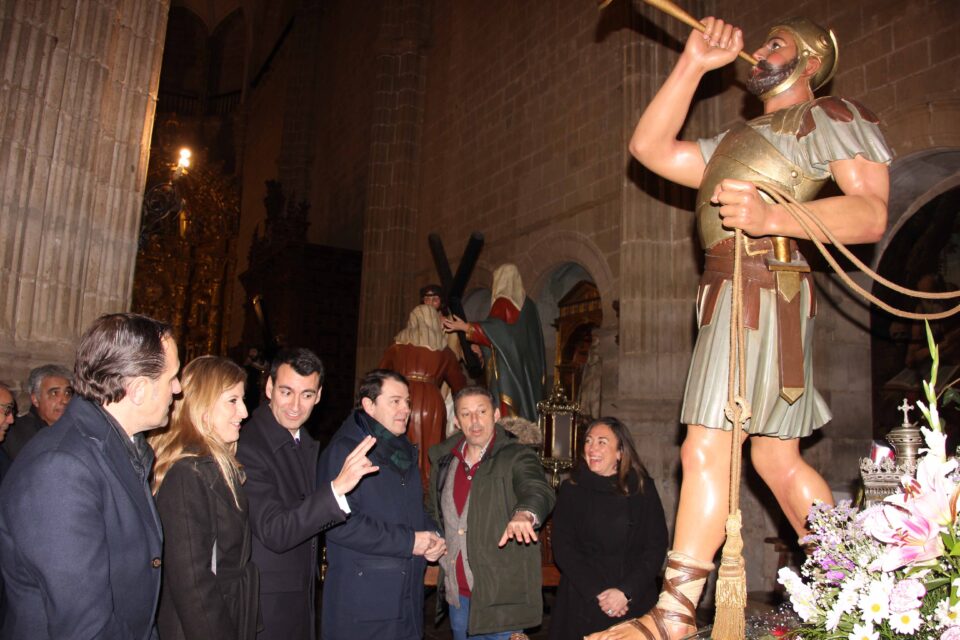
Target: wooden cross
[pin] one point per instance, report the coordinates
(454, 286)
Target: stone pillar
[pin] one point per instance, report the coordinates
(78, 92)
(393, 186)
(298, 141)
(658, 253)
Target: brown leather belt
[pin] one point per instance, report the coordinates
(718, 268)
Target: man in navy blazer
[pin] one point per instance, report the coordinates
(80, 539)
(374, 584)
(288, 509)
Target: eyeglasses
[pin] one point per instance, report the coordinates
(7, 409)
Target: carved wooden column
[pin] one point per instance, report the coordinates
(394, 179)
(78, 93)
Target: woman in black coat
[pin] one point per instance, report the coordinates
(210, 588)
(609, 536)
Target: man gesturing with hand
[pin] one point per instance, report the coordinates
(489, 493)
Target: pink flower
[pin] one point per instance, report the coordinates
(932, 493)
(951, 633)
(906, 595)
(910, 537)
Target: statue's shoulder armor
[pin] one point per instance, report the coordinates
(798, 120)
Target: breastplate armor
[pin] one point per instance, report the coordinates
(744, 154)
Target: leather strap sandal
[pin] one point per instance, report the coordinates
(671, 588)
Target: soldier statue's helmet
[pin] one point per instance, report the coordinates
(812, 41)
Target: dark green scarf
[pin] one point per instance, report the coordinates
(390, 449)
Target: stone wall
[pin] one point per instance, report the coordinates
(78, 92)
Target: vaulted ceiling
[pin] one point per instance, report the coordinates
(212, 12)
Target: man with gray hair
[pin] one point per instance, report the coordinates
(50, 387)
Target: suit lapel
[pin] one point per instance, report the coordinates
(117, 460)
(297, 464)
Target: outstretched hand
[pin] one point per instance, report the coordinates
(454, 323)
(355, 467)
(717, 46)
(520, 528)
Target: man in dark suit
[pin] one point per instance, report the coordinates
(287, 509)
(80, 539)
(374, 586)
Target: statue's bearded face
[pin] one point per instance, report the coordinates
(766, 76)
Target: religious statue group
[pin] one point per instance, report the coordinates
(93, 515)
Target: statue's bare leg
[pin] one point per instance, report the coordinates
(794, 483)
(699, 532)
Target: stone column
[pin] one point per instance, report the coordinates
(394, 178)
(298, 140)
(78, 93)
(658, 255)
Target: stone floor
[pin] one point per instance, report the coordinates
(758, 604)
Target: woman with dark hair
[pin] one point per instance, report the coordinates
(609, 536)
(210, 587)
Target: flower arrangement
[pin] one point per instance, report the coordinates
(891, 571)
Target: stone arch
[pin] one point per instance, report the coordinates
(915, 180)
(557, 248)
(556, 283)
(923, 188)
(185, 55)
(228, 51)
(542, 258)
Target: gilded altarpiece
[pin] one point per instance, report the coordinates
(580, 313)
(187, 253)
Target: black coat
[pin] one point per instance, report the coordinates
(198, 513)
(603, 539)
(287, 512)
(21, 431)
(80, 538)
(374, 584)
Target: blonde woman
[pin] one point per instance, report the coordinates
(210, 587)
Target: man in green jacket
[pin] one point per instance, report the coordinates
(489, 494)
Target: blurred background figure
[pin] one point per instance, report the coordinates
(210, 586)
(51, 388)
(609, 536)
(8, 408)
(421, 354)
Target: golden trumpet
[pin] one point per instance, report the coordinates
(673, 10)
